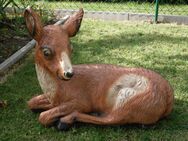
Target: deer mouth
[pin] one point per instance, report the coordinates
(63, 76)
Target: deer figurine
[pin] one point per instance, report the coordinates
(71, 93)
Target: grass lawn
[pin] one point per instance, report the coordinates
(162, 48)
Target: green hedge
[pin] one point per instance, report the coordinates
(139, 1)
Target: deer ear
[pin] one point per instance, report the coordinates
(72, 24)
(33, 23)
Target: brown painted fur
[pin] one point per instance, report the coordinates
(121, 95)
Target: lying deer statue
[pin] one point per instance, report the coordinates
(72, 92)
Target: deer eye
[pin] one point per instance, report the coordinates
(47, 52)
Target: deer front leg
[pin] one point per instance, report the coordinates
(39, 102)
(50, 116)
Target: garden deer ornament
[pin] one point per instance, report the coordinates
(72, 92)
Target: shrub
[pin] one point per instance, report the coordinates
(4, 4)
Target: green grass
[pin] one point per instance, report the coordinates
(162, 48)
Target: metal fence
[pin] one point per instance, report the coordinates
(169, 7)
(154, 7)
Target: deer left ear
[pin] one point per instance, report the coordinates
(72, 25)
(33, 23)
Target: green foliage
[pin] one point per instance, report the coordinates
(4, 4)
(162, 48)
(40, 7)
(25, 3)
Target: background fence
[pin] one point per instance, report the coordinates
(166, 7)
(154, 7)
(169, 7)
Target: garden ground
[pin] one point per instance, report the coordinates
(13, 36)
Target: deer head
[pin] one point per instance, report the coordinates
(53, 48)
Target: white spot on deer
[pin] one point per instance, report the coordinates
(126, 87)
(65, 62)
(46, 82)
(123, 96)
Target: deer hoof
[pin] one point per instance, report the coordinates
(37, 110)
(63, 126)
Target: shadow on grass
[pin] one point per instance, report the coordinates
(126, 40)
(107, 44)
(179, 57)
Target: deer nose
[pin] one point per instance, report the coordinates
(68, 74)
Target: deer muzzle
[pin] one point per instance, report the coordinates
(65, 70)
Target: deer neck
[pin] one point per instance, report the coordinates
(46, 81)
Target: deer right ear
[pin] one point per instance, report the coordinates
(72, 24)
(33, 23)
